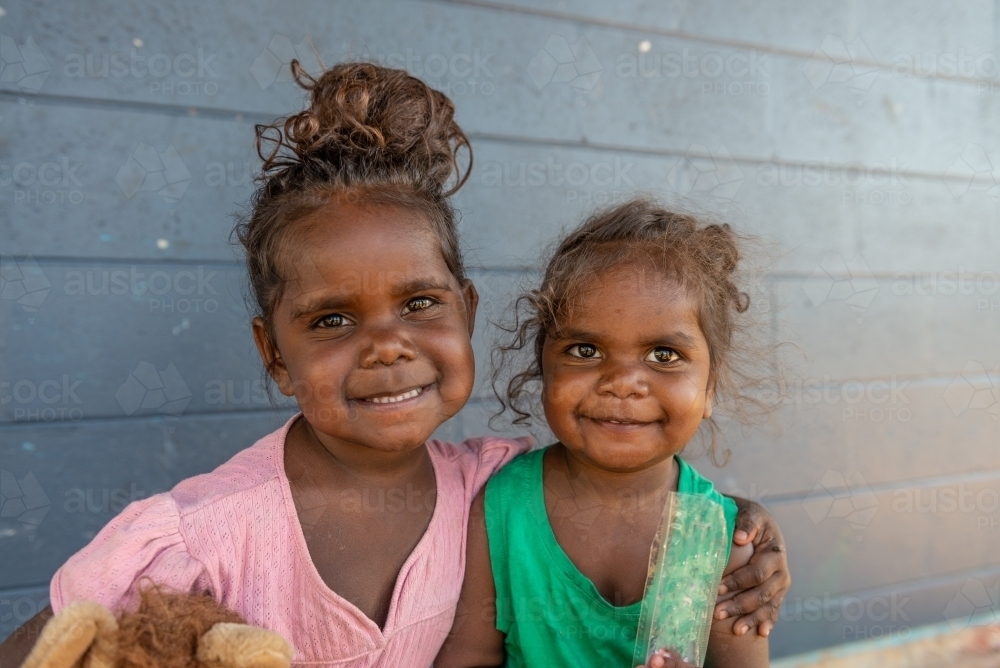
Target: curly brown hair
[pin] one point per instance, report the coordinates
(370, 136)
(702, 258)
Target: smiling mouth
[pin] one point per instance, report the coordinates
(620, 423)
(389, 399)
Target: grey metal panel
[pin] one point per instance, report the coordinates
(664, 111)
(819, 619)
(122, 339)
(61, 181)
(73, 478)
(898, 333)
(911, 437)
(87, 183)
(920, 531)
(930, 30)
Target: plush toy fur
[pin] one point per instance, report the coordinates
(166, 631)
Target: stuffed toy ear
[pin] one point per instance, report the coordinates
(82, 635)
(242, 646)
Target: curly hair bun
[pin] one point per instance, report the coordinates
(368, 124)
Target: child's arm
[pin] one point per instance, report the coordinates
(18, 644)
(753, 594)
(474, 639)
(725, 648)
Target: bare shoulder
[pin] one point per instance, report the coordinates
(474, 639)
(725, 648)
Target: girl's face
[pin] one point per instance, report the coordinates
(626, 379)
(372, 332)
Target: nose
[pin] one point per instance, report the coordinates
(623, 381)
(386, 345)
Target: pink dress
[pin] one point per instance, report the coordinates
(234, 532)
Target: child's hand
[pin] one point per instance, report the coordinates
(756, 590)
(664, 659)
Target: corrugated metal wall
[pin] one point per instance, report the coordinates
(862, 137)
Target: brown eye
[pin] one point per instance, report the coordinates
(332, 320)
(419, 304)
(584, 350)
(663, 355)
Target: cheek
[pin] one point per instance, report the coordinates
(561, 393)
(454, 357)
(684, 396)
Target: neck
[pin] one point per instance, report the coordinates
(648, 482)
(363, 461)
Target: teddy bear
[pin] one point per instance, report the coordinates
(167, 630)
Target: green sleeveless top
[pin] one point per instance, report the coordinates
(552, 613)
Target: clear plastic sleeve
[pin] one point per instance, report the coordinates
(685, 567)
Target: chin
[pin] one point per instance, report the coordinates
(624, 457)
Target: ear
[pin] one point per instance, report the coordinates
(271, 356)
(471, 297)
(82, 635)
(709, 400)
(243, 646)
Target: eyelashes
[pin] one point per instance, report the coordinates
(661, 355)
(583, 351)
(338, 320)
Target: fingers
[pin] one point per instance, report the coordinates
(762, 619)
(768, 559)
(666, 659)
(749, 522)
(752, 575)
(749, 600)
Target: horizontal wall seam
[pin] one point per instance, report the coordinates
(117, 420)
(912, 586)
(895, 485)
(691, 37)
(583, 143)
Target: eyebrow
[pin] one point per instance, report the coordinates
(420, 285)
(341, 301)
(677, 338)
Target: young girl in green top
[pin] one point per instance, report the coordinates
(632, 331)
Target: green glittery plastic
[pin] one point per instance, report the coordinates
(685, 567)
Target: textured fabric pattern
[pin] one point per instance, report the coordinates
(234, 533)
